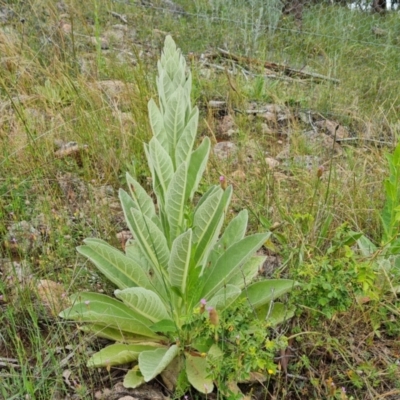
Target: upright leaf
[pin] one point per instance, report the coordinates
(174, 119)
(186, 142)
(157, 124)
(235, 256)
(161, 163)
(208, 221)
(179, 262)
(157, 284)
(224, 297)
(142, 200)
(245, 274)
(151, 240)
(234, 232)
(176, 201)
(197, 165)
(115, 265)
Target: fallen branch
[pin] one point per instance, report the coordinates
(277, 67)
(9, 363)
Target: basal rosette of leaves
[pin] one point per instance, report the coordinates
(178, 260)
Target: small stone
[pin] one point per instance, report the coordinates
(103, 42)
(23, 238)
(66, 28)
(225, 150)
(127, 398)
(226, 127)
(271, 162)
(239, 175)
(265, 129)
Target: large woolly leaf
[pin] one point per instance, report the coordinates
(161, 163)
(235, 256)
(245, 274)
(115, 265)
(157, 124)
(133, 378)
(156, 282)
(211, 190)
(224, 297)
(259, 293)
(234, 232)
(185, 144)
(117, 354)
(101, 309)
(144, 302)
(197, 165)
(275, 313)
(207, 222)
(179, 262)
(151, 240)
(197, 373)
(143, 201)
(176, 201)
(116, 335)
(174, 119)
(152, 363)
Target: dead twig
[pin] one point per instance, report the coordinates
(277, 67)
(120, 17)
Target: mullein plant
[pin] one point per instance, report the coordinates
(178, 271)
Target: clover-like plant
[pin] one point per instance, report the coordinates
(177, 262)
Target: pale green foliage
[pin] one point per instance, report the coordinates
(177, 256)
(386, 254)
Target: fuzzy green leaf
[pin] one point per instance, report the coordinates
(116, 335)
(207, 223)
(101, 309)
(176, 201)
(133, 379)
(235, 256)
(186, 142)
(152, 363)
(224, 297)
(234, 232)
(197, 373)
(275, 313)
(156, 283)
(161, 164)
(115, 265)
(260, 293)
(143, 201)
(117, 354)
(157, 124)
(144, 302)
(174, 119)
(179, 262)
(245, 274)
(197, 165)
(164, 326)
(151, 240)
